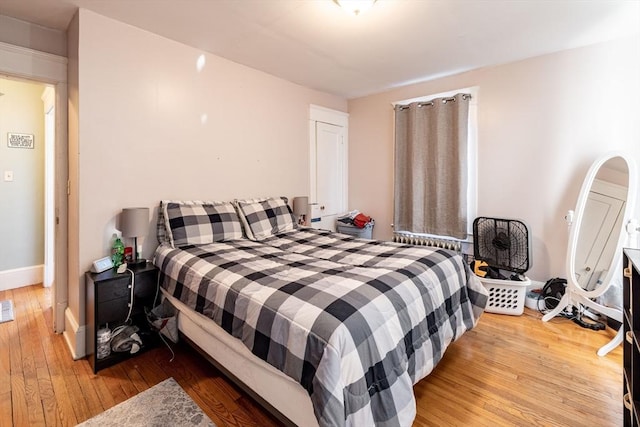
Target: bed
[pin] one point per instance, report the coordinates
(342, 328)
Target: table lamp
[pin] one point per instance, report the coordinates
(134, 222)
(301, 209)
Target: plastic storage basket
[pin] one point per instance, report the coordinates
(363, 233)
(506, 296)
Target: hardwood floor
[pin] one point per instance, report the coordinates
(509, 371)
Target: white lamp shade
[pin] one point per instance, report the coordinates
(300, 206)
(134, 222)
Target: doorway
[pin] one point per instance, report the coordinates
(51, 70)
(27, 187)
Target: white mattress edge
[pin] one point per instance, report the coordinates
(291, 399)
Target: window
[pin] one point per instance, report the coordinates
(417, 166)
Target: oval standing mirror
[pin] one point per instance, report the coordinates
(597, 235)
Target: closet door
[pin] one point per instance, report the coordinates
(330, 173)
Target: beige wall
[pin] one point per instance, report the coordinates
(20, 33)
(143, 136)
(541, 123)
(22, 200)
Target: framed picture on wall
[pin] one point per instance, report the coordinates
(19, 140)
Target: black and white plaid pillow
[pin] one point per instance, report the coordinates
(266, 218)
(196, 224)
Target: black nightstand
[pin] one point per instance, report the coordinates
(631, 349)
(107, 301)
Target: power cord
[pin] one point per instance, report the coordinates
(592, 324)
(552, 292)
(120, 328)
(133, 283)
(173, 355)
(155, 302)
(552, 302)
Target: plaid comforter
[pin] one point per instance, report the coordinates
(355, 325)
(347, 249)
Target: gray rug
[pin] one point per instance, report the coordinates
(165, 404)
(6, 310)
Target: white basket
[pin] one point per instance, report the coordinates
(506, 296)
(362, 233)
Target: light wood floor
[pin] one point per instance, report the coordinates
(509, 371)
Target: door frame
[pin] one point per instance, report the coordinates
(49, 69)
(332, 117)
(49, 103)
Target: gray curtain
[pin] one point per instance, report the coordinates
(430, 187)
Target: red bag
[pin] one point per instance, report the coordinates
(361, 220)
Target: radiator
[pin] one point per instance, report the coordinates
(426, 240)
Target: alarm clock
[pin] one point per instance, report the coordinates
(102, 264)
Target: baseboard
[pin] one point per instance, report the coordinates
(535, 285)
(74, 335)
(20, 277)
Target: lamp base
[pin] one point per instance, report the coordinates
(137, 263)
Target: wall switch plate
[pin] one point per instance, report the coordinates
(8, 175)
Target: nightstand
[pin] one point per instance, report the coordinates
(631, 352)
(107, 304)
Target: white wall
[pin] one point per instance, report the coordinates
(541, 123)
(143, 137)
(22, 200)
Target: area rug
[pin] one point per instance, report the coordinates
(165, 404)
(6, 310)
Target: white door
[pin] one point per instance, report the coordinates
(602, 216)
(329, 173)
(328, 166)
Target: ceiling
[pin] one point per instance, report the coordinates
(316, 44)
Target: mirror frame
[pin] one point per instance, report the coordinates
(574, 233)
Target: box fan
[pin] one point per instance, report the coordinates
(502, 246)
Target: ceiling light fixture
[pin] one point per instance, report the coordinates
(355, 7)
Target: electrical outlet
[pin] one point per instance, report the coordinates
(8, 176)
